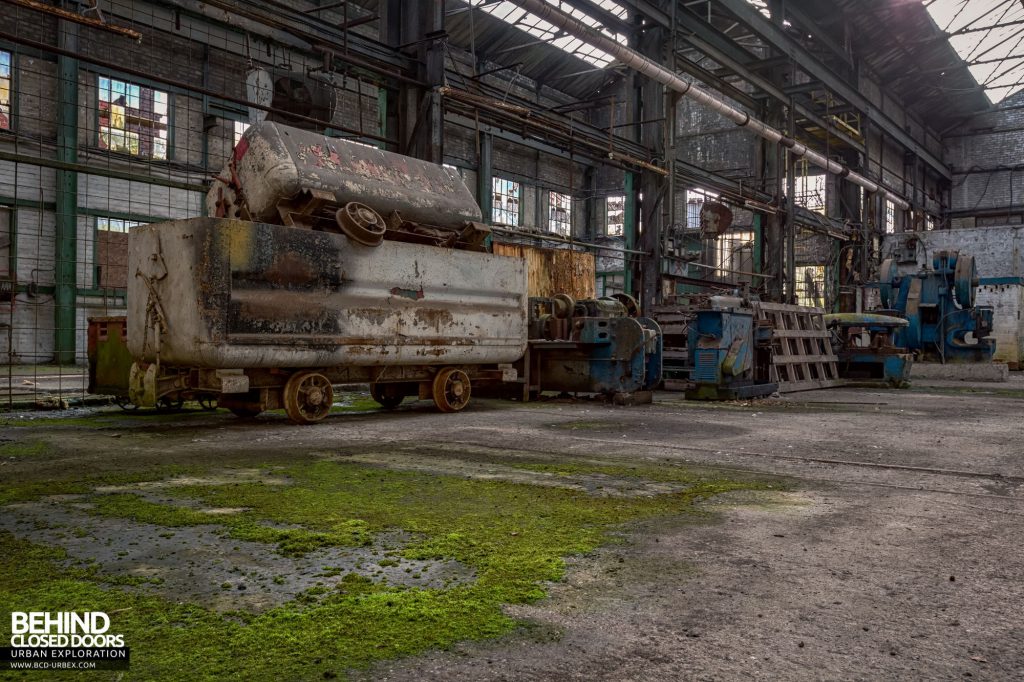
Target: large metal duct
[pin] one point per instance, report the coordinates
(654, 71)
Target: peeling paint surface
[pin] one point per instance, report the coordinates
(248, 295)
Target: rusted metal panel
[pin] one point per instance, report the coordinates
(555, 271)
(109, 359)
(232, 294)
(275, 164)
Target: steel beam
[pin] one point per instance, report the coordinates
(807, 62)
(703, 37)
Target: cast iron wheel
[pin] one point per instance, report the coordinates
(308, 397)
(451, 389)
(245, 412)
(388, 395)
(361, 223)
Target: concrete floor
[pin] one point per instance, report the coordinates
(896, 554)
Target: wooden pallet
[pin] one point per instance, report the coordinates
(803, 358)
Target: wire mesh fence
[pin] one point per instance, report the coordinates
(118, 117)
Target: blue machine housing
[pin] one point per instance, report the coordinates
(730, 353)
(938, 305)
(878, 360)
(591, 346)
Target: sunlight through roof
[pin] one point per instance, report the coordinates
(989, 36)
(513, 14)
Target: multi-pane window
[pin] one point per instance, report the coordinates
(810, 285)
(810, 192)
(615, 215)
(890, 217)
(5, 90)
(505, 207)
(115, 224)
(112, 252)
(133, 119)
(240, 128)
(695, 200)
(560, 213)
(734, 254)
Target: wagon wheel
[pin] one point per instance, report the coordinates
(125, 404)
(308, 397)
(388, 395)
(361, 223)
(451, 389)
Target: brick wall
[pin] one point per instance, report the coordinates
(987, 156)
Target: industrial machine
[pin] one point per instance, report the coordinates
(864, 344)
(730, 351)
(944, 324)
(591, 346)
(328, 262)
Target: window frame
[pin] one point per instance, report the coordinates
(113, 76)
(237, 136)
(552, 222)
(12, 106)
(496, 212)
(607, 220)
(95, 217)
(889, 217)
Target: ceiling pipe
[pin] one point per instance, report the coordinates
(656, 72)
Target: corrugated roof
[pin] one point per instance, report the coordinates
(899, 41)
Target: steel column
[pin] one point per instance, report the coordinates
(629, 229)
(484, 176)
(66, 256)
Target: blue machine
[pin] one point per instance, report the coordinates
(591, 346)
(730, 352)
(863, 342)
(938, 305)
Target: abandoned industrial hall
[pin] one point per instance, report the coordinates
(511, 340)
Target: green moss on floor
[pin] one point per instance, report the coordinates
(22, 449)
(241, 526)
(514, 536)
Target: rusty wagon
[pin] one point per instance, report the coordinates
(323, 262)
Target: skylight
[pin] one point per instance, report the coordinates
(511, 13)
(989, 36)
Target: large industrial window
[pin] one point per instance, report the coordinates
(112, 252)
(695, 199)
(560, 213)
(5, 90)
(505, 209)
(615, 214)
(810, 192)
(133, 119)
(240, 128)
(810, 285)
(734, 254)
(890, 217)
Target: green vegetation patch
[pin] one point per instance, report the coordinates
(244, 526)
(22, 449)
(515, 537)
